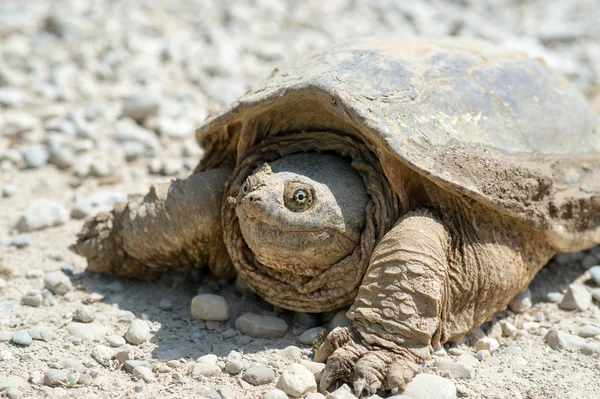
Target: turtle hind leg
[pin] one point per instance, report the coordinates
(177, 225)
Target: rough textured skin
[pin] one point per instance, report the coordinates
(175, 226)
(306, 236)
(477, 164)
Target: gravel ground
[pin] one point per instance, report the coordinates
(99, 100)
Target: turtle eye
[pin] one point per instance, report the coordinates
(298, 199)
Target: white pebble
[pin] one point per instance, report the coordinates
(22, 338)
(576, 298)
(521, 302)
(115, 340)
(275, 394)
(489, 344)
(144, 373)
(41, 214)
(55, 377)
(258, 374)
(455, 369)
(559, 340)
(138, 332)
(296, 380)
(430, 386)
(84, 314)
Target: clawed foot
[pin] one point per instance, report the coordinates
(367, 369)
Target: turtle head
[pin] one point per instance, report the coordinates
(302, 213)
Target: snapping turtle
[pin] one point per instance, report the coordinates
(423, 182)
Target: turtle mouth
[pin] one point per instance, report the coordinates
(336, 285)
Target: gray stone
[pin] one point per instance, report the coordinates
(58, 283)
(261, 326)
(429, 386)
(554, 297)
(521, 302)
(87, 331)
(258, 374)
(41, 333)
(115, 340)
(309, 336)
(131, 364)
(339, 320)
(165, 304)
(296, 380)
(143, 373)
(41, 214)
(591, 348)
(205, 369)
(101, 201)
(209, 307)
(275, 394)
(32, 299)
(576, 298)
(595, 272)
(559, 340)
(103, 354)
(456, 370)
(589, 330)
(35, 156)
(22, 338)
(84, 314)
(54, 377)
(138, 332)
(234, 366)
(140, 106)
(62, 157)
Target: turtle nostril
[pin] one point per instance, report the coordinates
(253, 198)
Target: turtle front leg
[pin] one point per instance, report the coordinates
(398, 313)
(177, 225)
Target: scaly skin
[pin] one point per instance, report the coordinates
(177, 225)
(436, 276)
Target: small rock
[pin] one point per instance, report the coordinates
(315, 395)
(521, 302)
(589, 330)
(72, 364)
(309, 336)
(34, 299)
(456, 370)
(482, 355)
(115, 340)
(5, 355)
(429, 386)
(343, 392)
(41, 333)
(41, 214)
(489, 344)
(14, 393)
(508, 329)
(455, 351)
(138, 332)
(292, 353)
(54, 377)
(261, 326)
(5, 336)
(296, 380)
(554, 297)
(205, 369)
(84, 314)
(140, 106)
(469, 360)
(58, 283)
(275, 394)
(315, 368)
(170, 167)
(22, 338)
(144, 373)
(87, 331)
(103, 354)
(139, 385)
(259, 375)
(234, 366)
(173, 363)
(559, 340)
(512, 349)
(165, 304)
(595, 272)
(130, 365)
(576, 298)
(339, 320)
(35, 156)
(62, 157)
(8, 190)
(210, 307)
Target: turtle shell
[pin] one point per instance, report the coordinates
(474, 118)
